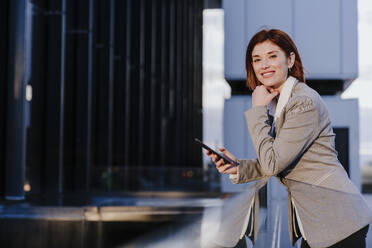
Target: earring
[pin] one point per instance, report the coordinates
(289, 69)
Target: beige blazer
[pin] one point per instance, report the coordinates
(322, 200)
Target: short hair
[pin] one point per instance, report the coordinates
(280, 39)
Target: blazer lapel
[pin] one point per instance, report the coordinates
(285, 95)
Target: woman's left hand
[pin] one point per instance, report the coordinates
(262, 95)
(220, 164)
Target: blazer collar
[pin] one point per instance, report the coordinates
(284, 96)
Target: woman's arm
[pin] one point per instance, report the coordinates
(299, 130)
(248, 170)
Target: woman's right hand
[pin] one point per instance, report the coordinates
(220, 164)
(263, 95)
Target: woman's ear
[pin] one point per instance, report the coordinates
(291, 59)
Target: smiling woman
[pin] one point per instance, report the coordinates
(294, 141)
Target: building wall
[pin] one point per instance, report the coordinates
(117, 94)
(325, 33)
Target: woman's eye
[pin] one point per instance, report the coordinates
(256, 60)
(273, 56)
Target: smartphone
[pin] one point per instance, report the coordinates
(219, 155)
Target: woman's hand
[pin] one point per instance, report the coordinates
(220, 164)
(262, 95)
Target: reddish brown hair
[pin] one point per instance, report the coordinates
(280, 39)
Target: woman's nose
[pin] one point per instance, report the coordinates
(264, 64)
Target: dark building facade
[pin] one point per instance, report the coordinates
(114, 95)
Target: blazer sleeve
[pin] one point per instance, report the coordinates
(300, 128)
(248, 170)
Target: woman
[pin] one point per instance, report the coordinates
(296, 145)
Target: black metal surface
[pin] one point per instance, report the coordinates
(117, 85)
(127, 54)
(328, 87)
(54, 96)
(342, 146)
(4, 13)
(36, 131)
(16, 101)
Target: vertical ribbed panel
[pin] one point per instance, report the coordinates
(132, 91)
(4, 15)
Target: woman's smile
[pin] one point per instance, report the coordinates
(267, 74)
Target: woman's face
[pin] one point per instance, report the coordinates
(270, 64)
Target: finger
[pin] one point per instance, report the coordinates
(232, 170)
(267, 87)
(209, 154)
(220, 163)
(224, 168)
(261, 90)
(271, 89)
(271, 96)
(227, 153)
(275, 93)
(214, 158)
(221, 169)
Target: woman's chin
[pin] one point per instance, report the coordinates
(268, 83)
(271, 83)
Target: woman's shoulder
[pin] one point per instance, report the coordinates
(302, 90)
(303, 97)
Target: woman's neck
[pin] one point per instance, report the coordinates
(279, 89)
